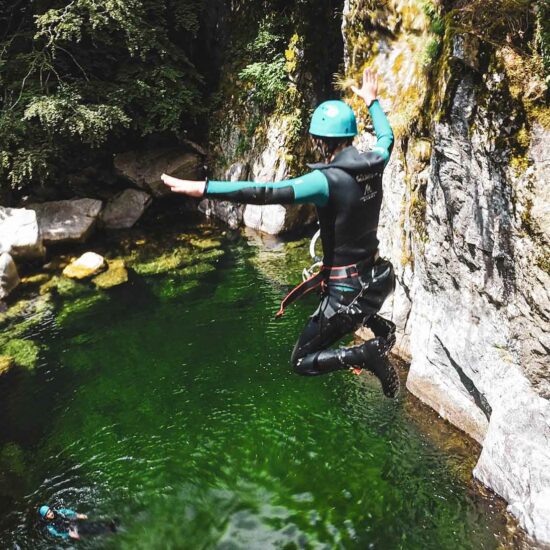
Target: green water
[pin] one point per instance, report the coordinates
(172, 407)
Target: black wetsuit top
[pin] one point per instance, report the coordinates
(347, 193)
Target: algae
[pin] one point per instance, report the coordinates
(24, 353)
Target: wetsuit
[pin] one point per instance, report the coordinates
(63, 521)
(348, 194)
(66, 519)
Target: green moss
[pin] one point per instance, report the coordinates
(163, 263)
(23, 352)
(76, 308)
(205, 244)
(116, 275)
(65, 288)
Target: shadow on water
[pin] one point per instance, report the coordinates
(173, 407)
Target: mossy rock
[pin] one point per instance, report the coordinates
(65, 288)
(163, 263)
(79, 307)
(196, 270)
(23, 316)
(6, 364)
(35, 280)
(116, 275)
(24, 353)
(205, 244)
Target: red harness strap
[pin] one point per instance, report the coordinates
(303, 288)
(334, 273)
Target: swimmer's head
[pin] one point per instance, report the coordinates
(46, 512)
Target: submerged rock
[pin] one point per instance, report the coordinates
(205, 244)
(116, 275)
(67, 221)
(125, 209)
(88, 265)
(23, 353)
(181, 257)
(144, 168)
(19, 233)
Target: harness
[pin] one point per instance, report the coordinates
(330, 273)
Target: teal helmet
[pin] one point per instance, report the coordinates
(333, 119)
(44, 510)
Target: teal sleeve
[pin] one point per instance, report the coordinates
(66, 512)
(310, 188)
(53, 531)
(383, 131)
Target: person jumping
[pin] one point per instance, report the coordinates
(346, 189)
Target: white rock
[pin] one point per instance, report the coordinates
(124, 210)
(9, 278)
(19, 233)
(67, 221)
(88, 265)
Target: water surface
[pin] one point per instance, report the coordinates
(172, 407)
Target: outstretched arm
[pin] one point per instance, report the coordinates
(382, 128)
(310, 188)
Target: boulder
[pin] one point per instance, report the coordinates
(19, 233)
(229, 212)
(67, 221)
(124, 210)
(88, 265)
(116, 275)
(9, 278)
(276, 218)
(145, 168)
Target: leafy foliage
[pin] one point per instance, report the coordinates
(267, 77)
(73, 77)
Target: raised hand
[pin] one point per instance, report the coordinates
(192, 188)
(369, 89)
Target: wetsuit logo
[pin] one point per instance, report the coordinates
(364, 179)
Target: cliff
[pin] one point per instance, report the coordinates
(466, 222)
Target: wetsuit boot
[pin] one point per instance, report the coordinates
(382, 327)
(370, 356)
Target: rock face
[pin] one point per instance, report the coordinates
(88, 265)
(126, 209)
(67, 221)
(465, 222)
(19, 234)
(229, 212)
(145, 168)
(9, 278)
(266, 141)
